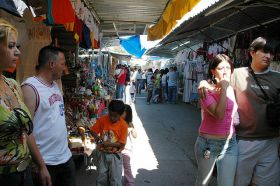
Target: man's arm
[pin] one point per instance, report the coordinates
(28, 96)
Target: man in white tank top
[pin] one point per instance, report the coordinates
(47, 110)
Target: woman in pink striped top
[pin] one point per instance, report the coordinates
(216, 143)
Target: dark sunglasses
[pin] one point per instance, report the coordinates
(24, 119)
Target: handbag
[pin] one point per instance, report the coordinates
(272, 107)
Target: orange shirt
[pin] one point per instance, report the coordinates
(110, 132)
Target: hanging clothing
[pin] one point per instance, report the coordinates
(86, 41)
(60, 12)
(187, 84)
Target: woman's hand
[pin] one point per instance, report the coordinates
(202, 89)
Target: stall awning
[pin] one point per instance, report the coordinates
(174, 11)
(133, 46)
(222, 20)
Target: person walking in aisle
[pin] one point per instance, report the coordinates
(121, 79)
(258, 142)
(150, 89)
(44, 99)
(216, 143)
(172, 78)
(127, 152)
(164, 85)
(132, 91)
(139, 83)
(144, 80)
(16, 139)
(110, 133)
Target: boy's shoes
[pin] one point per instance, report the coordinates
(148, 103)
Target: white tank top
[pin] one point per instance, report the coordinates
(49, 122)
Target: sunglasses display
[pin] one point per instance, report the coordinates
(26, 123)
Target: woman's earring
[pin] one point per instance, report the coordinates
(214, 79)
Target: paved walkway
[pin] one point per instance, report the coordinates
(163, 152)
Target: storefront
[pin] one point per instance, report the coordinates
(88, 83)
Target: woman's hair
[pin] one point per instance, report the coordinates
(116, 106)
(261, 43)
(128, 110)
(215, 62)
(6, 29)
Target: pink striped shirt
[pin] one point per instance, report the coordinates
(211, 125)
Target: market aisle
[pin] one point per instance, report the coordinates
(163, 152)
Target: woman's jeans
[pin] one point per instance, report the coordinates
(223, 154)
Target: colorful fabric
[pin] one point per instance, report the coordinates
(78, 28)
(111, 132)
(133, 45)
(13, 145)
(86, 41)
(60, 12)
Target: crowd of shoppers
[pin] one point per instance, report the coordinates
(160, 85)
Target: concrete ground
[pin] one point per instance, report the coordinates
(164, 149)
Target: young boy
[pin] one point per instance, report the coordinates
(150, 88)
(110, 133)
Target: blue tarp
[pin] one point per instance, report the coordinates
(132, 45)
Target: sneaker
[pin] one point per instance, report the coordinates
(148, 103)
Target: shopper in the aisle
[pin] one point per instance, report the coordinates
(258, 142)
(144, 81)
(172, 78)
(132, 91)
(110, 133)
(164, 85)
(121, 79)
(216, 144)
(127, 152)
(44, 99)
(139, 83)
(16, 139)
(150, 89)
(148, 75)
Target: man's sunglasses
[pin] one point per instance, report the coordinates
(24, 120)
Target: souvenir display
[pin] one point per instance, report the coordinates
(88, 89)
